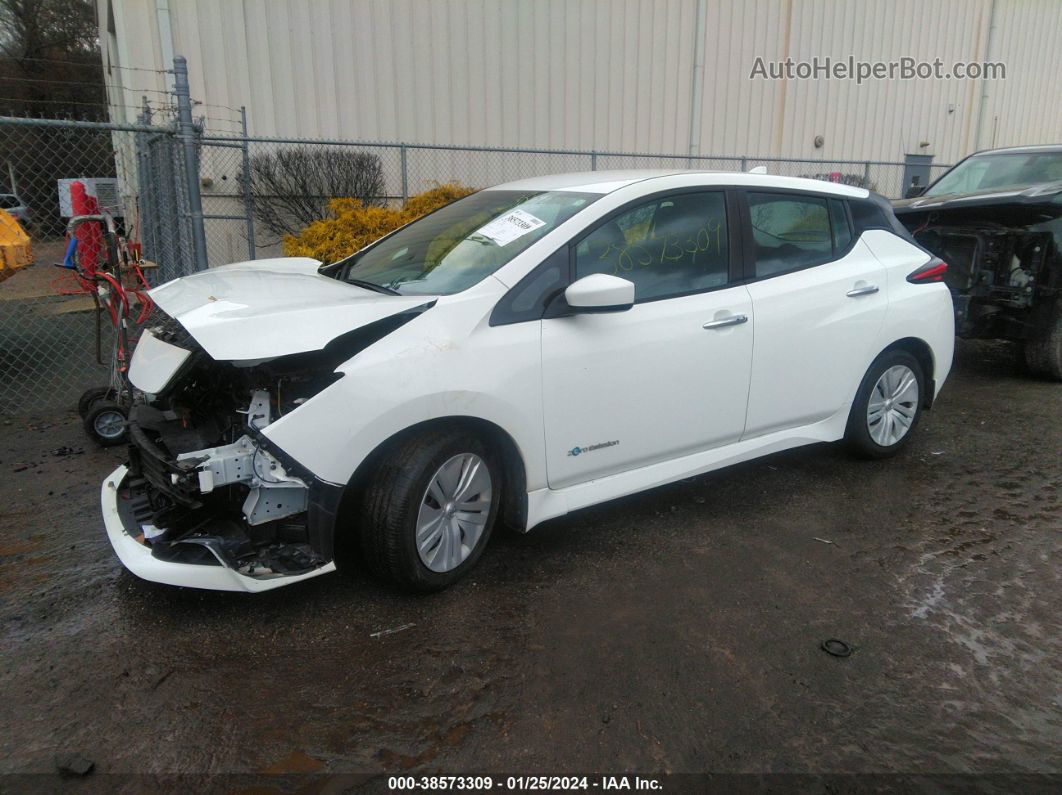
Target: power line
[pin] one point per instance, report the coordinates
(98, 64)
(219, 117)
(87, 83)
(211, 105)
(234, 127)
(75, 102)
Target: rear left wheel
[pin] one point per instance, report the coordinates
(887, 406)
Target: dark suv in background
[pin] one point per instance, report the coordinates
(996, 219)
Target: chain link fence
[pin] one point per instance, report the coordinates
(51, 332)
(48, 331)
(240, 224)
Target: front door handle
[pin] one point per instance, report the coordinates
(868, 289)
(732, 320)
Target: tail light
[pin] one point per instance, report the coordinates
(932, 271)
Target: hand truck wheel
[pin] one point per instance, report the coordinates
(105, 423)
(90, 396)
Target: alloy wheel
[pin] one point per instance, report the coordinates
(893, 405)
(453, 512)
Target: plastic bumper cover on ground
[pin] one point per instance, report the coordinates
(138, 558)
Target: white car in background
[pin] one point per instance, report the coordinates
(526, 351)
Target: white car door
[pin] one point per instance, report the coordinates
(670, 375)
(819, 299)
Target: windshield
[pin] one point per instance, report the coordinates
(464, 242)
(999, 171)
(8, 201)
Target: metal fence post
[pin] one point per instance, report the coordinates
(248, 197)
(744, 164)
(405, 173)
(593, 161)
(187, 135)
(146, 212)
(866, 175)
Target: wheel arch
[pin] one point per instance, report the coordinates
(514, 489)
(920, 349)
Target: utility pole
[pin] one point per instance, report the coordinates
(248, 196)
(187, 136)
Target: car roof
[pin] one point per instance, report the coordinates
(1020, 150)
(608, 181)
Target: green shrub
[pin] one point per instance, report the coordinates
(353, 224)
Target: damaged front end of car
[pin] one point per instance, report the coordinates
(207, 499)
(204, 487)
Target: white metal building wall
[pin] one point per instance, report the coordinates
(598, 74)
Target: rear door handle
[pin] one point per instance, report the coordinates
(869, 289)
(733, 320)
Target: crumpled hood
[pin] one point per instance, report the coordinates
(267, 308)
(1043, 193)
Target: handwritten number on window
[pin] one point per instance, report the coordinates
(673, 248)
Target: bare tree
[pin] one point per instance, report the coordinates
(292, 186)
(50, 66)
(36, 29)
(50, 60)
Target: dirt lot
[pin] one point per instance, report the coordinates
(677, 630)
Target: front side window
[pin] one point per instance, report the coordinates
(789, 232)
(668, 247)
(461, 244)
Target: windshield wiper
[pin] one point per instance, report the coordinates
(378, 288)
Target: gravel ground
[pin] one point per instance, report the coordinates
(677, 630)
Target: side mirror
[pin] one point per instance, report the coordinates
(915, 191)
(600, 292)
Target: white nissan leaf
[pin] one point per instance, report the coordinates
(526, 351)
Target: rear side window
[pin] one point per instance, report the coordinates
(842, 231)
(670, 246)
(789, 232)
(8, 201)
(867, 215)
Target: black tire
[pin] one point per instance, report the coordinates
(1043, 353)
(99, 416)
(90, 396)
(857, 434)
(390, 504)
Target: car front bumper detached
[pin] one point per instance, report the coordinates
(211, 560)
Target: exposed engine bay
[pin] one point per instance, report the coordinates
(203, 485)
(1002, 251)
(992, 269)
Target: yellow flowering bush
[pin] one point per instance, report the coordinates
(354, 225)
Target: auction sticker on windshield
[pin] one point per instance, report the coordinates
(514, 224)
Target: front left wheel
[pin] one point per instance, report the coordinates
(429, 509)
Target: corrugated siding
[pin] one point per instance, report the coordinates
(609, 74)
